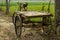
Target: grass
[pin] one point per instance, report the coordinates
(31, 6)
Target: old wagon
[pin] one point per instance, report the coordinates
(22, 19)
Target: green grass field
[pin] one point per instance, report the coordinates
(33, 6)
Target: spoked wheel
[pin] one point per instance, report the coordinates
(18, 26)
(17, 20)
(48, 25)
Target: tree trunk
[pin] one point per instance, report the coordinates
(1, 7)
(57, 14)
(7, 6)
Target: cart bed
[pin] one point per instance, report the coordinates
(34, 13)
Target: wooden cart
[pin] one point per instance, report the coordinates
(21, 19)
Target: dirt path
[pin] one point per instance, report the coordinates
(6, 30)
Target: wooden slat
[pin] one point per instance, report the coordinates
(33, 13)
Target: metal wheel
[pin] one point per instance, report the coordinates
(17, 21)
(18, 26)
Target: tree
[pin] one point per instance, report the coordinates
(7, 6)
(57, 15)
(1, 6)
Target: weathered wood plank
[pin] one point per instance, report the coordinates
(33, 13)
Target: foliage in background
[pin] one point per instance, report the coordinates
(37, 6)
